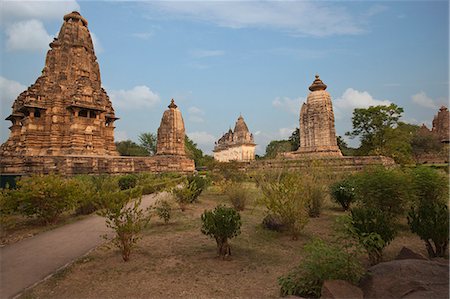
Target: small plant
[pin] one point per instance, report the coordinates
(163, 210)
(238, 195)
(126, 219)
(322, 262)
(198, 184)
(343, 193)
(316, 198)
(273, 222)
(127, 181)
(184, 195)
(221, 224)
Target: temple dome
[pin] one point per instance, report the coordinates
(240, 126)
(317, 84)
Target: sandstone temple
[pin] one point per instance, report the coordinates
(441, 124)
(237, 145)
(64, 122)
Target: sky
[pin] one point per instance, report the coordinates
(256, 58)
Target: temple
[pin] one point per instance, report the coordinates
(237, 145)
(441, 124)
(317, 132)
(171, 132)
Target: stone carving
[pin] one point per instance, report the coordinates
(171, 132)
(441, 124)
(317, 132)
(66, 111)
(237, 145)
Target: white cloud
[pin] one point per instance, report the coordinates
(287, 104)
(27, 35)
(204, 140)
(195, 110)
(295, 17)
(351, 99)
(138, 97)
(284, 133)
(206, 53)
(42, 10)
(422, 99)
(9, 90)
(96, 42)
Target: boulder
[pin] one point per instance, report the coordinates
(334, 289)
(408, 254)
(407, 278)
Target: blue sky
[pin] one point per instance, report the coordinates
(219, 59)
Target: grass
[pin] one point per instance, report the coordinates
(177, 260)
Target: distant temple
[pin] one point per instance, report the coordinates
(441, 124)
(237, 145)
(317, 132)
(64, 122)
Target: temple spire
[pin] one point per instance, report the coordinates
(317, 84)
(172, 105)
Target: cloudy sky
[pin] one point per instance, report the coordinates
(221, 59)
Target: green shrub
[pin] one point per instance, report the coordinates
(45, 197)
(163, 210)
(93, 192)
(127, 181)
(322, 262)
(238, 195)
(428, 217)
(343, 193)
(184, 195)
(273, 222)
(221, 224)
(316, 196)
(126, 219)
(198, 184)
(284, 196)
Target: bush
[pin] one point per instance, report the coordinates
(184, 195)
(322, 262)
(198, 184)
(343, 193)
(428, 217)
(126, 219)
(221, 224)
(284, 196)
(127, 181)
(238, 195)
(163, 210)
(44, 197)
(316, 197)
(273, 222)
(93, 192)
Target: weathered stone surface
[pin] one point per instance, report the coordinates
(171, 132)
(66, 111)
(317, 131)
(407, 279)
(406, 253)
(441, 124)
(340, 289)
(237, 145)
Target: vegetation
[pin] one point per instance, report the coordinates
(238, 195)
(185, 194)
(127, 181)
(148, 142)
(343, 193)
(222, 223)
(198, 184)
(276, 147)
(130, 148)
(163, 210)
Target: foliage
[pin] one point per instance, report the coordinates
(148, 142)
(322, 262)
(238, 195)
(198, 184)
(428, 217)
(343, 193)
(127, 181)
(284, 196)
(163, 210)
(316, 196)
(397, 143)
(126, 219)
(229, 171)
(93, 192)
(345, 149)
(222, 223)
(185, 194)
(294, 139)
(273, 222)
(158, 185)
(44, 197)
(196, 154)
(426, 142)
(276, 147)
(130, 148)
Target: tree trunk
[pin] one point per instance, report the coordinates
(223, 248)
(431, 252)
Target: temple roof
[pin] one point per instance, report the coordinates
(172, 105)
(75, 15)
(317, 84)
(240, 126)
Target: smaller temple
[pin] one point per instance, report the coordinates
(171, 132)
(441, 124)
(237, 145)
(317, 132)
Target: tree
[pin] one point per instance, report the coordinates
(371, 125)
(130, 148)
(294, 139)
(277, 146)
(397, 144)
(148, 142)
(192, 151)
(425, 142)
(343, 146)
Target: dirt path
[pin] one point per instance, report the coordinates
(25, 263)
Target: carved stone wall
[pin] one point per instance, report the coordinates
(171, 132)
(441, 124)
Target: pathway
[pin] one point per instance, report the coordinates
(27, 262)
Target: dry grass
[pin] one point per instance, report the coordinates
(176, 260)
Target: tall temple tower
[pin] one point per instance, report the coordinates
(317, 132)
(66, 111)
(171, 132)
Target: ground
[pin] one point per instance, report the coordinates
(177, 260)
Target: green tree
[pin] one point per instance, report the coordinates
(148, 142)
(425, 142)
(130, 148)
(397, 143)
(277, 146)
(343, 146)
(192, 151)
(371, 126)
(294, 139)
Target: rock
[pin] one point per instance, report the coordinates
(407, 253)
(334, 289)
(407, 278)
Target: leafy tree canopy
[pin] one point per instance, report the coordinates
(148, 142)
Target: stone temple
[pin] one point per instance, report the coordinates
(317, 132)
(441, 124)
(171, 132)
(64, 122)
(237, 145)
